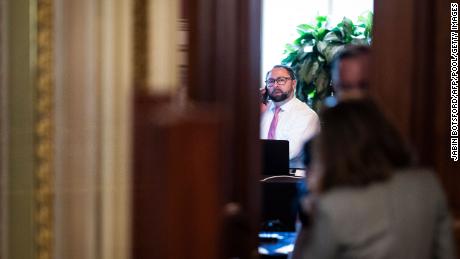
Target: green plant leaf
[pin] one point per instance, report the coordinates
(359, 41)
(320, 33)
(333, 37)
(288, 48)
(305, 28)
(359, 31)
(299, 91)
(321, 45)
(331, 50)
(289, 59)
(312, 94)
(305, 39)
(321, 21)
(366, 19)
(322, 82)
(311, 54)
(338, 31)
(302, 56)
(300, 32)
(309, 68)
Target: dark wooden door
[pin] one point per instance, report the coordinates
(411, 48)
(196, 167)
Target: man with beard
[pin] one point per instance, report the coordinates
(286, 117)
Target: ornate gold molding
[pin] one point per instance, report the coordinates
(140, 45)
(44, 125)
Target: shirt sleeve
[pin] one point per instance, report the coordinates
(304, 129)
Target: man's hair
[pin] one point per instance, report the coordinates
(349, 52)
(358, 146)
(287, 68)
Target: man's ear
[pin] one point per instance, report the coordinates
(294, 84)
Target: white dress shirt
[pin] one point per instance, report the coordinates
(297, 123)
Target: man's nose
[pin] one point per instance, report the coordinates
(276, 84)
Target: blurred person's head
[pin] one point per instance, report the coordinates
(357, 146)
(351, 72)
(281, 83)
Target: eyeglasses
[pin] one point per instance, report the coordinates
(280, 80)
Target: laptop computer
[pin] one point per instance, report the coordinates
(275, 157)
(279, 206)
(278, 218)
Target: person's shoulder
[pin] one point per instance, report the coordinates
(268, 108)
(338, 199)
(337, 193)
(402, 178)
(344, 199)
(303, 108)
(417, 178)
(414, 175)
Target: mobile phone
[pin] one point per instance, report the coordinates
(265, 96)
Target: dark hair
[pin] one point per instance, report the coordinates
(350, 51)
(358, 146)
(287, 68)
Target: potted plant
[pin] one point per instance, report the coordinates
(311, 54)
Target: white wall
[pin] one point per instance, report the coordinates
(280, 18)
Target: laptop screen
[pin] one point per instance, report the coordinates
(275, 157)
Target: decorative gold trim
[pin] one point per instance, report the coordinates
(3, 129)
(140, 45)
(44, 124)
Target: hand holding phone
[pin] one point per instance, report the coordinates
(263, 95)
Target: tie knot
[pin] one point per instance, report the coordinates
(277, 109)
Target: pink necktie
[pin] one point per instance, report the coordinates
(272, 130)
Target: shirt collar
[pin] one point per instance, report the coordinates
(285, 107)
